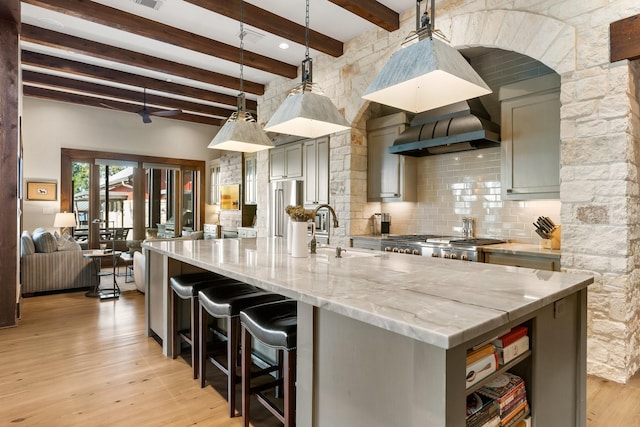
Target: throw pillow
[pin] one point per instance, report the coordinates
(45, 242)
(26, 244)
(67, 243)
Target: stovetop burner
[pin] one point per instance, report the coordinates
(476, 242)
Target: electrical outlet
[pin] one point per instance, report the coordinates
(559, 308)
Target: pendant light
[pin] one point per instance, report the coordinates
(425, 73)
(241, 132)
(307, 111)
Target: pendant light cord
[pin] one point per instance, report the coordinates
(241, 46)
(306, 31)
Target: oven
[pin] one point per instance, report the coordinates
(463, 249)
(447, 247)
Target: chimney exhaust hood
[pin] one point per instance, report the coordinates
(462, 126)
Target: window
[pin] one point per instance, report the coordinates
(118, 196)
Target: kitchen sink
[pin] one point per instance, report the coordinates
(330, 252)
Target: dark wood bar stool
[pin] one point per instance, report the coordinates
(187, 286)
(226, 302)
(275, 325)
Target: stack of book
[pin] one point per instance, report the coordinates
(482, 411)
(509, 391)
(481, 362)
(512, 344)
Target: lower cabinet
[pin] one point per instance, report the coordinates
(523, 260)
(247, 232)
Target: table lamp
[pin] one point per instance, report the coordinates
(64, 221)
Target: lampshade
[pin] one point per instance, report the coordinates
(241, 133)
(64, 220)
(307, 113)
(425, 75)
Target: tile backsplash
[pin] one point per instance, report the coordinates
(467, 184)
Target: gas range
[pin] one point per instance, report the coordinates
(448, 247)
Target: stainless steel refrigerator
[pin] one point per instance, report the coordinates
(282, 194)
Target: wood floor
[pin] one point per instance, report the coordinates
(77, 361)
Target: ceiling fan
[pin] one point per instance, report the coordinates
(146, 113)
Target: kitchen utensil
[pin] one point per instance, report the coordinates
(550, 222)
(540, 232)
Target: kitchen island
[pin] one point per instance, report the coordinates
(382, 337)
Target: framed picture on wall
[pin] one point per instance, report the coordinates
(42, 190)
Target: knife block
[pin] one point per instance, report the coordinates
(554, 241)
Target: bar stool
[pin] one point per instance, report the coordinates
(187, 286)
(226, 302)
(275, 325)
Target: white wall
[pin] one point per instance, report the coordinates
(49, 126)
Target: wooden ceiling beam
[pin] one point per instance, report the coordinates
(272, 23)
(624, 39)
(372, 11)
(124, 94)
(44, 93)
(87, 70)
(10, 11)
(115, 18)
(66, 42)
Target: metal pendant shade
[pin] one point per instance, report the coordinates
(241, 133)
(307, 111)
(307, 114)
(425, 73)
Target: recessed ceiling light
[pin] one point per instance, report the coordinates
(283, 45)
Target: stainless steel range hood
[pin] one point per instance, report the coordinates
(462, 126)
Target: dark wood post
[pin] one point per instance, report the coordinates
(9, 150)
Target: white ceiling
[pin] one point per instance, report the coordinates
(325, 17)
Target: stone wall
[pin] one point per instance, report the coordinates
(599, 133)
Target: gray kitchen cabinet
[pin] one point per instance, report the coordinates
(522, 260)
(315, 157)
(531, 139)
(390, 177)
(250, 179)
(285, 162)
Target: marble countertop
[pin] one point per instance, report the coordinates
(523, 249)
(422, 298)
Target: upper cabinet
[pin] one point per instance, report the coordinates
(315, 157)
(250, 179)
(531, 139)
(285, 161)
(390, 177)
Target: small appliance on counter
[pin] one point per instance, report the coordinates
(385, 223)
(548, 231)
(381, 223)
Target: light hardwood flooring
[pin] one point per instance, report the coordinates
(77, 361)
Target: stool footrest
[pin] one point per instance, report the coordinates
(271, 407)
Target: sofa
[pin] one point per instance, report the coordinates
(52, 263)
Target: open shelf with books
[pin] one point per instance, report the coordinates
(502, 393)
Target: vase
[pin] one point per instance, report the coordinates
(289, 234)
(299, 239)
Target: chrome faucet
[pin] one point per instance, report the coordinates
(335, 224)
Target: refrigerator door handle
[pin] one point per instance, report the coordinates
(279, 211)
